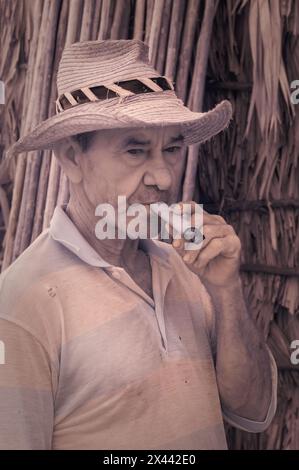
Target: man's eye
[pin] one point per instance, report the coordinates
(135, 151)
(172, 149)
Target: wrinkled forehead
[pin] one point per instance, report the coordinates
(140, 136)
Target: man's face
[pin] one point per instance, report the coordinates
(145, 165)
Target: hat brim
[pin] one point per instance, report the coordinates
(137, 111)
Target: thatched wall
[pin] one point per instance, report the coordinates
(248, 50)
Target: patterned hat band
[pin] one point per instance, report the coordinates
(112, 90)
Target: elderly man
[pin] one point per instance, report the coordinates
(123, 343)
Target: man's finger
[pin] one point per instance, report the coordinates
(227, 246)
(207, 218)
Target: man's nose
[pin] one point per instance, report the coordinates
(158, 174)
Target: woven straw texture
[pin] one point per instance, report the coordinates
(93, 63)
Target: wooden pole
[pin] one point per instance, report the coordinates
(96, 19)
(176, 23)
(36, 15)
(148, 19)
(155, 30)
(73, 25)
(87, 20)
(40, 96)
(192, 17)
(163, 37)
(139, 20)
(195, 100)
(104, 23)
(120, 19)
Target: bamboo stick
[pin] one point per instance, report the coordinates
(195, 100)
(176, 24)
(139, 27)
(14, 212)
(22, 214)
(36, 12)
(41, 92)
(29, 198)
(87, 20)
(73, 25)
(5, 171)
(4, 206)
(104, 23)
(148, 19)
(96, 19)
(120, 15)
(163, 37)
(28, 162)
(155, 30)
(192, 17)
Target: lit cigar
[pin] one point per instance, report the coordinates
(180, 222)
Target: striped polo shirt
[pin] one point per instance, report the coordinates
(92, 362)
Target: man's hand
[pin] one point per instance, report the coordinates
(217, 261)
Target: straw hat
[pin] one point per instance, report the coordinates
(111, 84)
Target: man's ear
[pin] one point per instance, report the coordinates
(68, 152)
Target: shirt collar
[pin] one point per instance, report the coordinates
(64, 231)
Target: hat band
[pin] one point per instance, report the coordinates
(112, 90)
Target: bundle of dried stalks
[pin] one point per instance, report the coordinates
(257, 160)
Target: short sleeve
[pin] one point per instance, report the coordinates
(26, 398)
(251, 425)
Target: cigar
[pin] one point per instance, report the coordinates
(179, 221)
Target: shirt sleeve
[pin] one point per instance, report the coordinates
(256, 426)
(26, 397)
